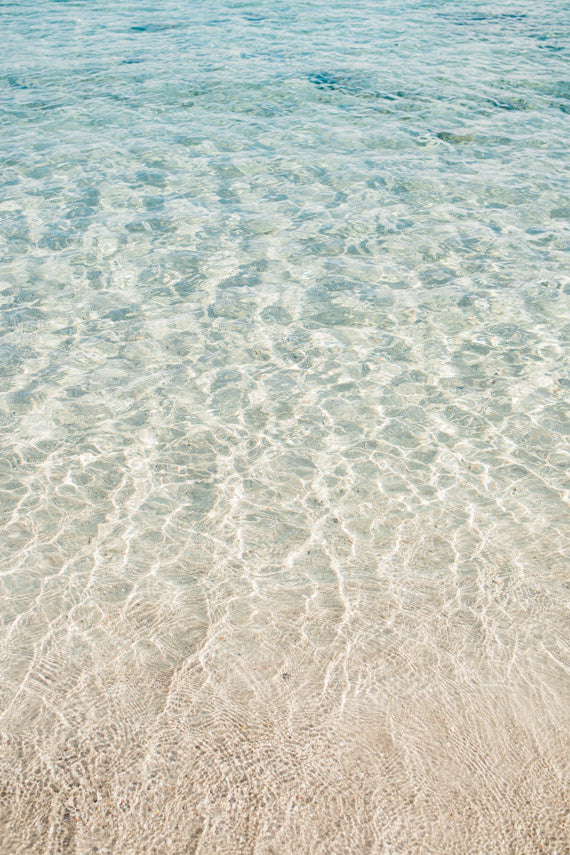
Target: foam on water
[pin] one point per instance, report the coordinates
(284, 407)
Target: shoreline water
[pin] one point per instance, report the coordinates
(284, 428)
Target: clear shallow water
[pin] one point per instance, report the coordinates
(284, 427)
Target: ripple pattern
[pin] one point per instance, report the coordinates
(284, 445)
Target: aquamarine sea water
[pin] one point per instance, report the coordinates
(284, 409)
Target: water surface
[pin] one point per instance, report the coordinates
(284, 415)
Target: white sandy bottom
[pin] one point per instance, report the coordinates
(255, 733)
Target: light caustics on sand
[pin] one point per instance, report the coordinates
(284, 427)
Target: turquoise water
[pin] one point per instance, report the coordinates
(284, 414)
